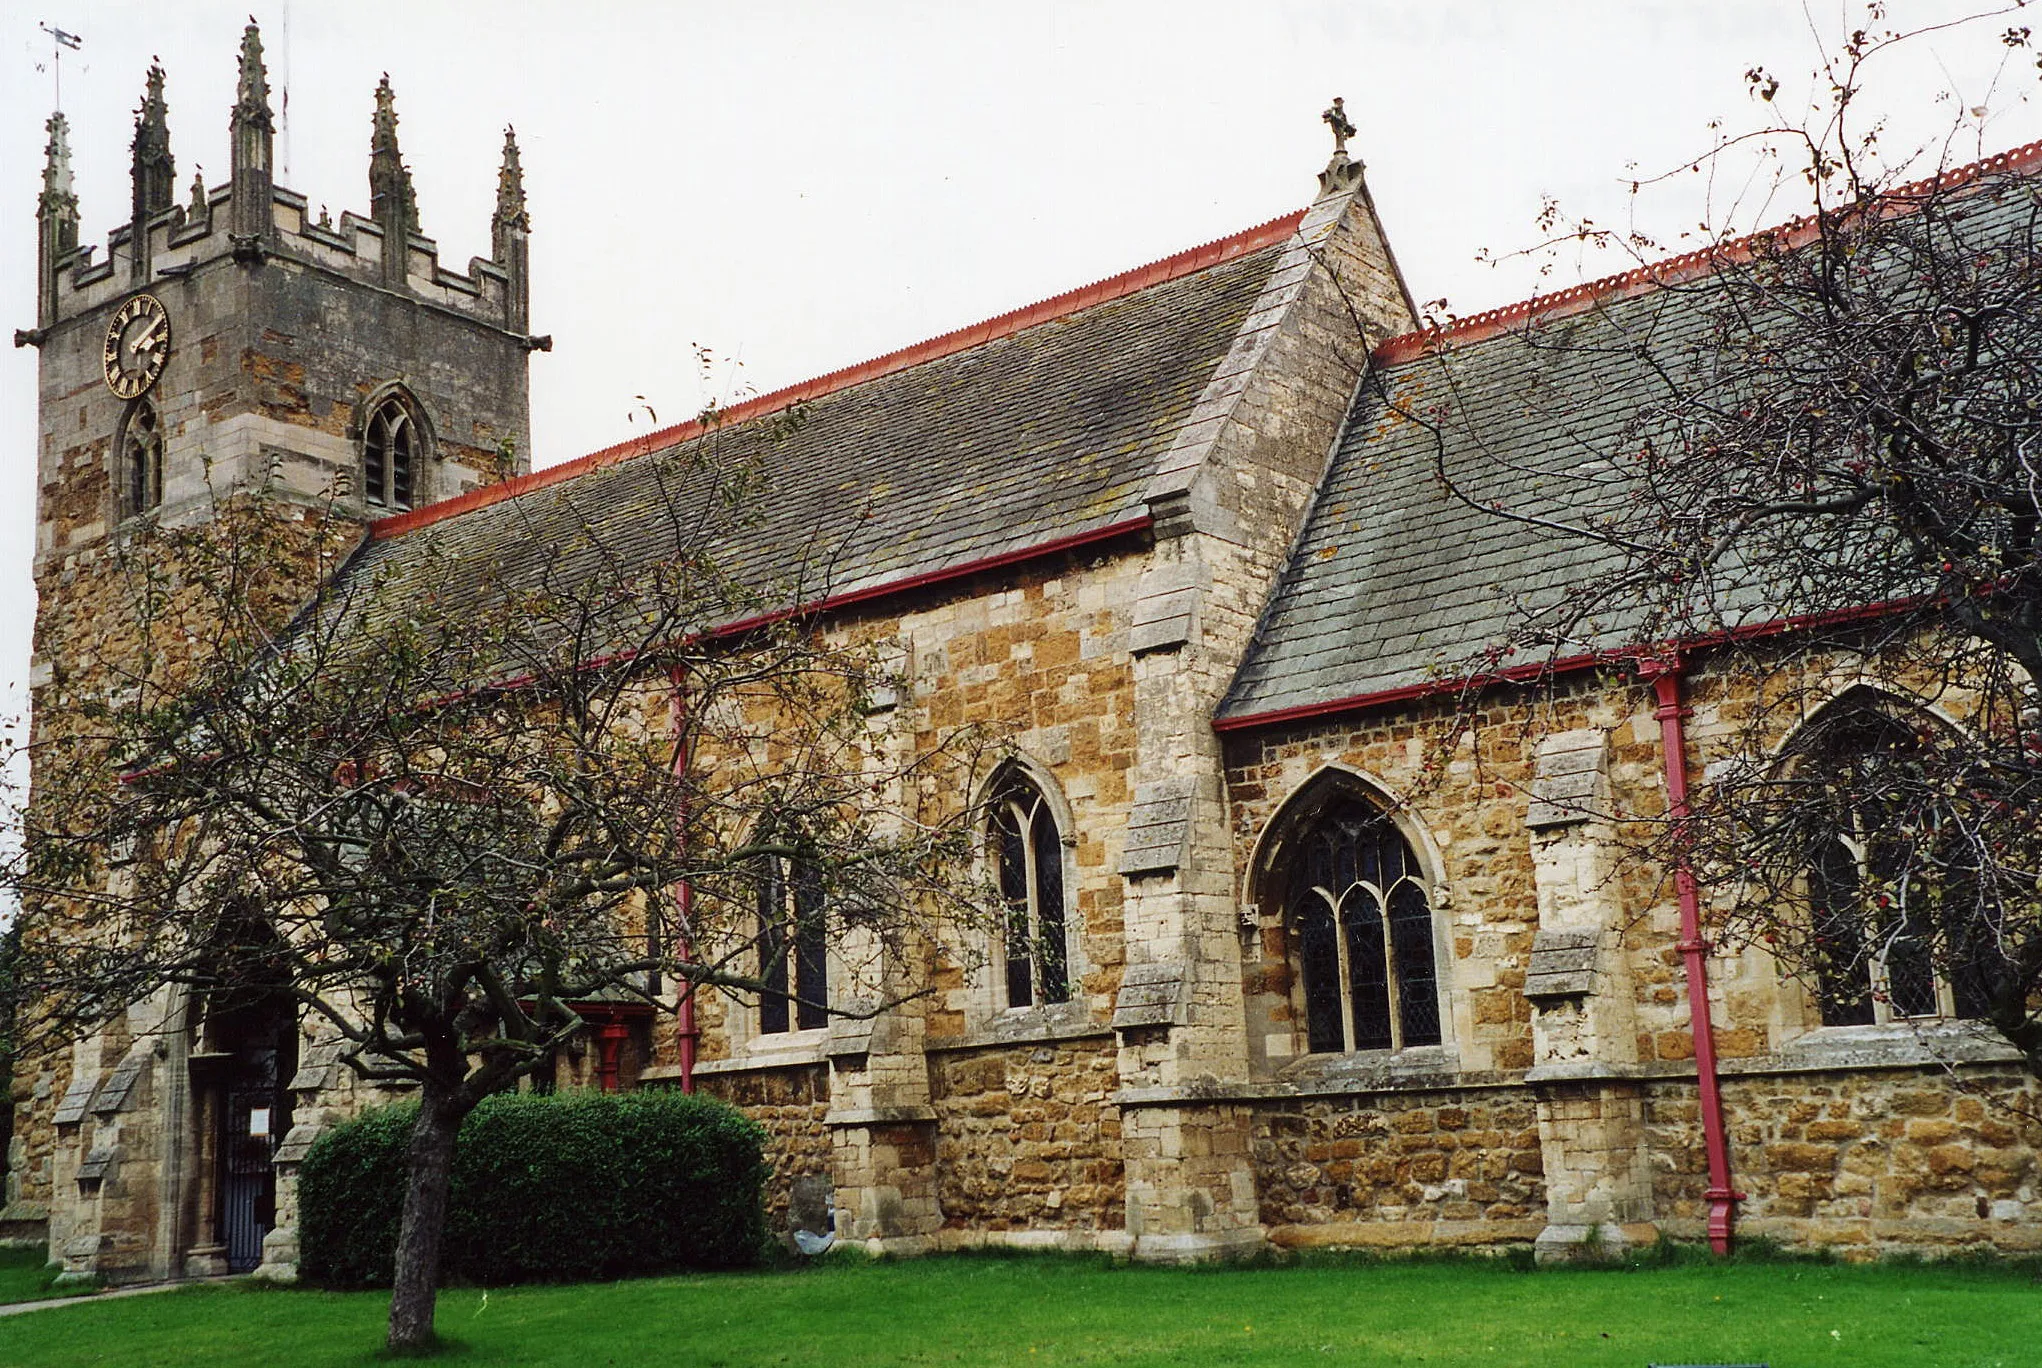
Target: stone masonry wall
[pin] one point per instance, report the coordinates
(1041, 658)
(790, 1103)
(1459, 784)
(1864, 1163)
(98, 617)
(1432, 1168)
(1029, 1136)
(1461, 795)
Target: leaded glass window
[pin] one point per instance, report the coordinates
(1888, 898)
(1027, 854)
(141, 460)
(1362, 919)
(390, 452)
(793, 947)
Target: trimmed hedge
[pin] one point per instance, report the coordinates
(545, 1189)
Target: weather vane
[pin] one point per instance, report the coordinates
(59, 40)
(1336, 119)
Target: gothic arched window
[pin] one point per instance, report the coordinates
(139, 465)
(392, 453)
(1358, 908)
(1895, 929)
(793, 947)
(1027, 854)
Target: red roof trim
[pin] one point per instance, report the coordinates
(1141, 522)
(1304, 712)
(1642, 656)
(1114, 287)
(1673, 270)
(850, 597)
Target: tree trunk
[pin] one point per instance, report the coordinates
(430, 1163)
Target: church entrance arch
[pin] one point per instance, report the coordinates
(241, 1079)
(254, 1121)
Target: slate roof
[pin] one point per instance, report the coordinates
(1396, 586)
(1396, 583)
(1046, 433)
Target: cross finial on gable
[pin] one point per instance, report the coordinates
(1341, 174)
(1336, 119)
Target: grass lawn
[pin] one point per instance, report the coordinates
(25, 1276)
(1048, 1310)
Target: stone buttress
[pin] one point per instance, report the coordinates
(1226, 499)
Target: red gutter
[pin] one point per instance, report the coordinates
(1141, 522)
(1516, 674)
(949, 344)
(1665, 673)
(1538, 669)
(964, 570)
(685, 1029)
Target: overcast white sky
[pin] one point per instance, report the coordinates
(799, 186)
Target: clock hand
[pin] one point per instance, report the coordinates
(146, 339)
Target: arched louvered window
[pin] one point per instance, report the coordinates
(1362, 921)
(139, 465)
(1895, 926)
(793, 947)
(391, 454)
(1027, 853)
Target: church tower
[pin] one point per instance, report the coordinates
(232, 362)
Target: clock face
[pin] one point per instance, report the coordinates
(137, 345)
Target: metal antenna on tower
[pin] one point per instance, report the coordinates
(59, 40)
(284, 110)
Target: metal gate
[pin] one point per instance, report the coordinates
(254, 1120)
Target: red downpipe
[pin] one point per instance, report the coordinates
(685, 1029)
(1665, 673)
(611, 1033)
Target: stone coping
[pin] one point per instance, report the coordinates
(1118, 1243)
(1827, 1049)
(805, 1055)
(879, 1116)
(1195, 1094)
(1898, 1044)
(1405, 1234)
(1830, 1050)
(1025, 1027)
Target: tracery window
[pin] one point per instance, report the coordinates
(1894, 926)
(1362, 919)
(1027, 854)
(391, 454)
(140, 463)
(793, 946)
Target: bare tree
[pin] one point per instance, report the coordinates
(1812, 456)
(452, 799)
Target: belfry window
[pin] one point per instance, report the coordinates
(1027, 854)
(793, 947)
(1896, 929)
(390, 455)
(1362, 920)
(140, 463)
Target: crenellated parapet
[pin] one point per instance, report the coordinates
(250, 221)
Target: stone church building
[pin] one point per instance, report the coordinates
(1307, 962)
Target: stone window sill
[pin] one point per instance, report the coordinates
(1427, 1065)
(792, 1049)
(1027, 1026)
(1926, 1041)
